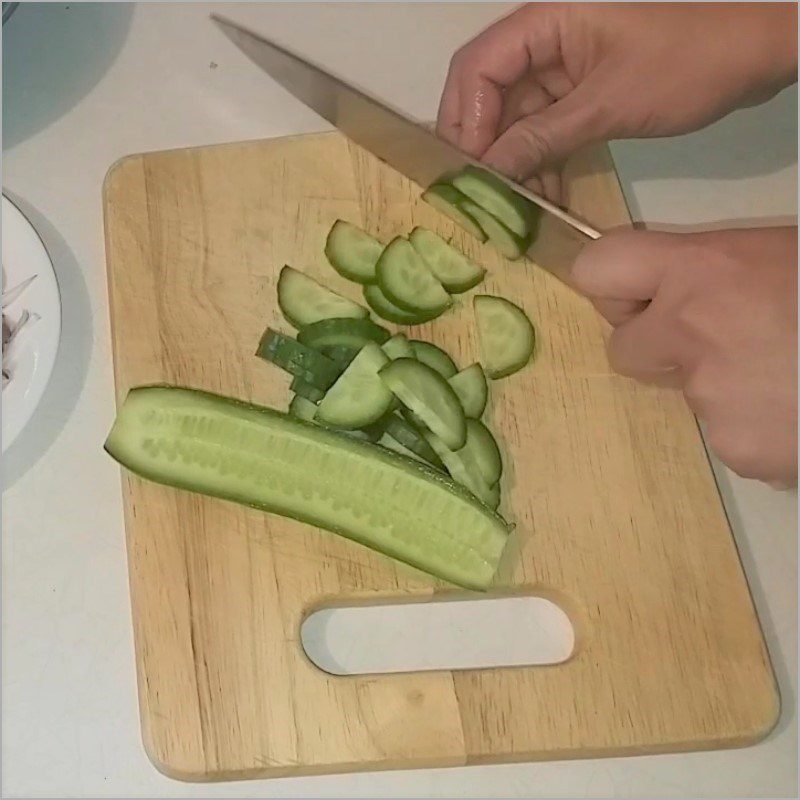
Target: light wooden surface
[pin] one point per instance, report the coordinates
(618, 517)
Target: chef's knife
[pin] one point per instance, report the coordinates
(395, 139)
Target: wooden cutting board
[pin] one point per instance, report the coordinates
(618, 516)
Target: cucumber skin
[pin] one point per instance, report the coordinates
(371, 450)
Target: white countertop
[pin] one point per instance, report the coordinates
(161, 76)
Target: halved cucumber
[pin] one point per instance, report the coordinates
(398, 347)
(434, 357)
(517, 213)
(425, 392)
(304, 301)
(268, 460)
(508, 243)
(387, 310)
(462, 467)
(411, 438)
(353, 333)
(505, 334)
(472, 390)
(352, 252)
(447, 200)
(302, 408)
(407, 282)
(485, 451)
(359, 397)
(306, 390)
(301, 361)
(453, 269)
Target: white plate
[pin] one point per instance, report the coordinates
(32, 354)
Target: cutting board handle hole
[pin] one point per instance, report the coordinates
(453, 634)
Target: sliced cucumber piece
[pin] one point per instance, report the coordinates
(453, 269)
(485, 451)
(352, 252)
(387, 310)
(462, 467)
(505, 334)
(340, 354)
(398, 347)
(472, 390)
(407, 282)
(268, 460)
(354, 333)
(517, 213)
(306, 390)
(509, 244)
(301, 361)
(359, 397)
(434, 357)
(302, 408)
(409, 437)
(447, 200)
(425, 392)
(303, 301)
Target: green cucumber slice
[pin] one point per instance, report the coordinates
(509, 244)
(434, 357)
(505, 335)
(359, 397)
(485, 451)
(398, 347)
(472, 390)
(354, 333)
(453, 269)
(306, 390)
(462, 467)
(447, 200)
(407, 282)
(387, 310)
(410, 438)
(352, 252)
(302, 408)
(425, 392)
(301, 361)
(340, 354)
(515, 212)
(303, 301)
(267, 460)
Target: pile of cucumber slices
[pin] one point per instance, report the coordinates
(383, 440)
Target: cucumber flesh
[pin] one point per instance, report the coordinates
(485, 451)
(271, 461)
(411, 439)
(301, 361)
(453, 269)
(387, 310)
(354, 333)
(472, 390)
(398, 347)
(359, 397)
(434, 357)
(515, 212)
(303, 301)
(447, 200)
(302, 408)
(505, 335)
(352, 252)
(426, 393)
(405, 279)
(508, 243)
(306, 390)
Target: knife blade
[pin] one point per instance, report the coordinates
(395, 139)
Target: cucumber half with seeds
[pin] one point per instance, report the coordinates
(387, 310)
(434, 357)
(472, 390)
(268, 460)
(353, 253)
(405, 279)
(447, 200)
(359, 397)
(453, 269)
(303, 301)
(509, 244)
(505, 334)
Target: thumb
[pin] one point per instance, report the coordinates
(549, 135)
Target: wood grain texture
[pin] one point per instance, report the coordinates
(618, 516)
